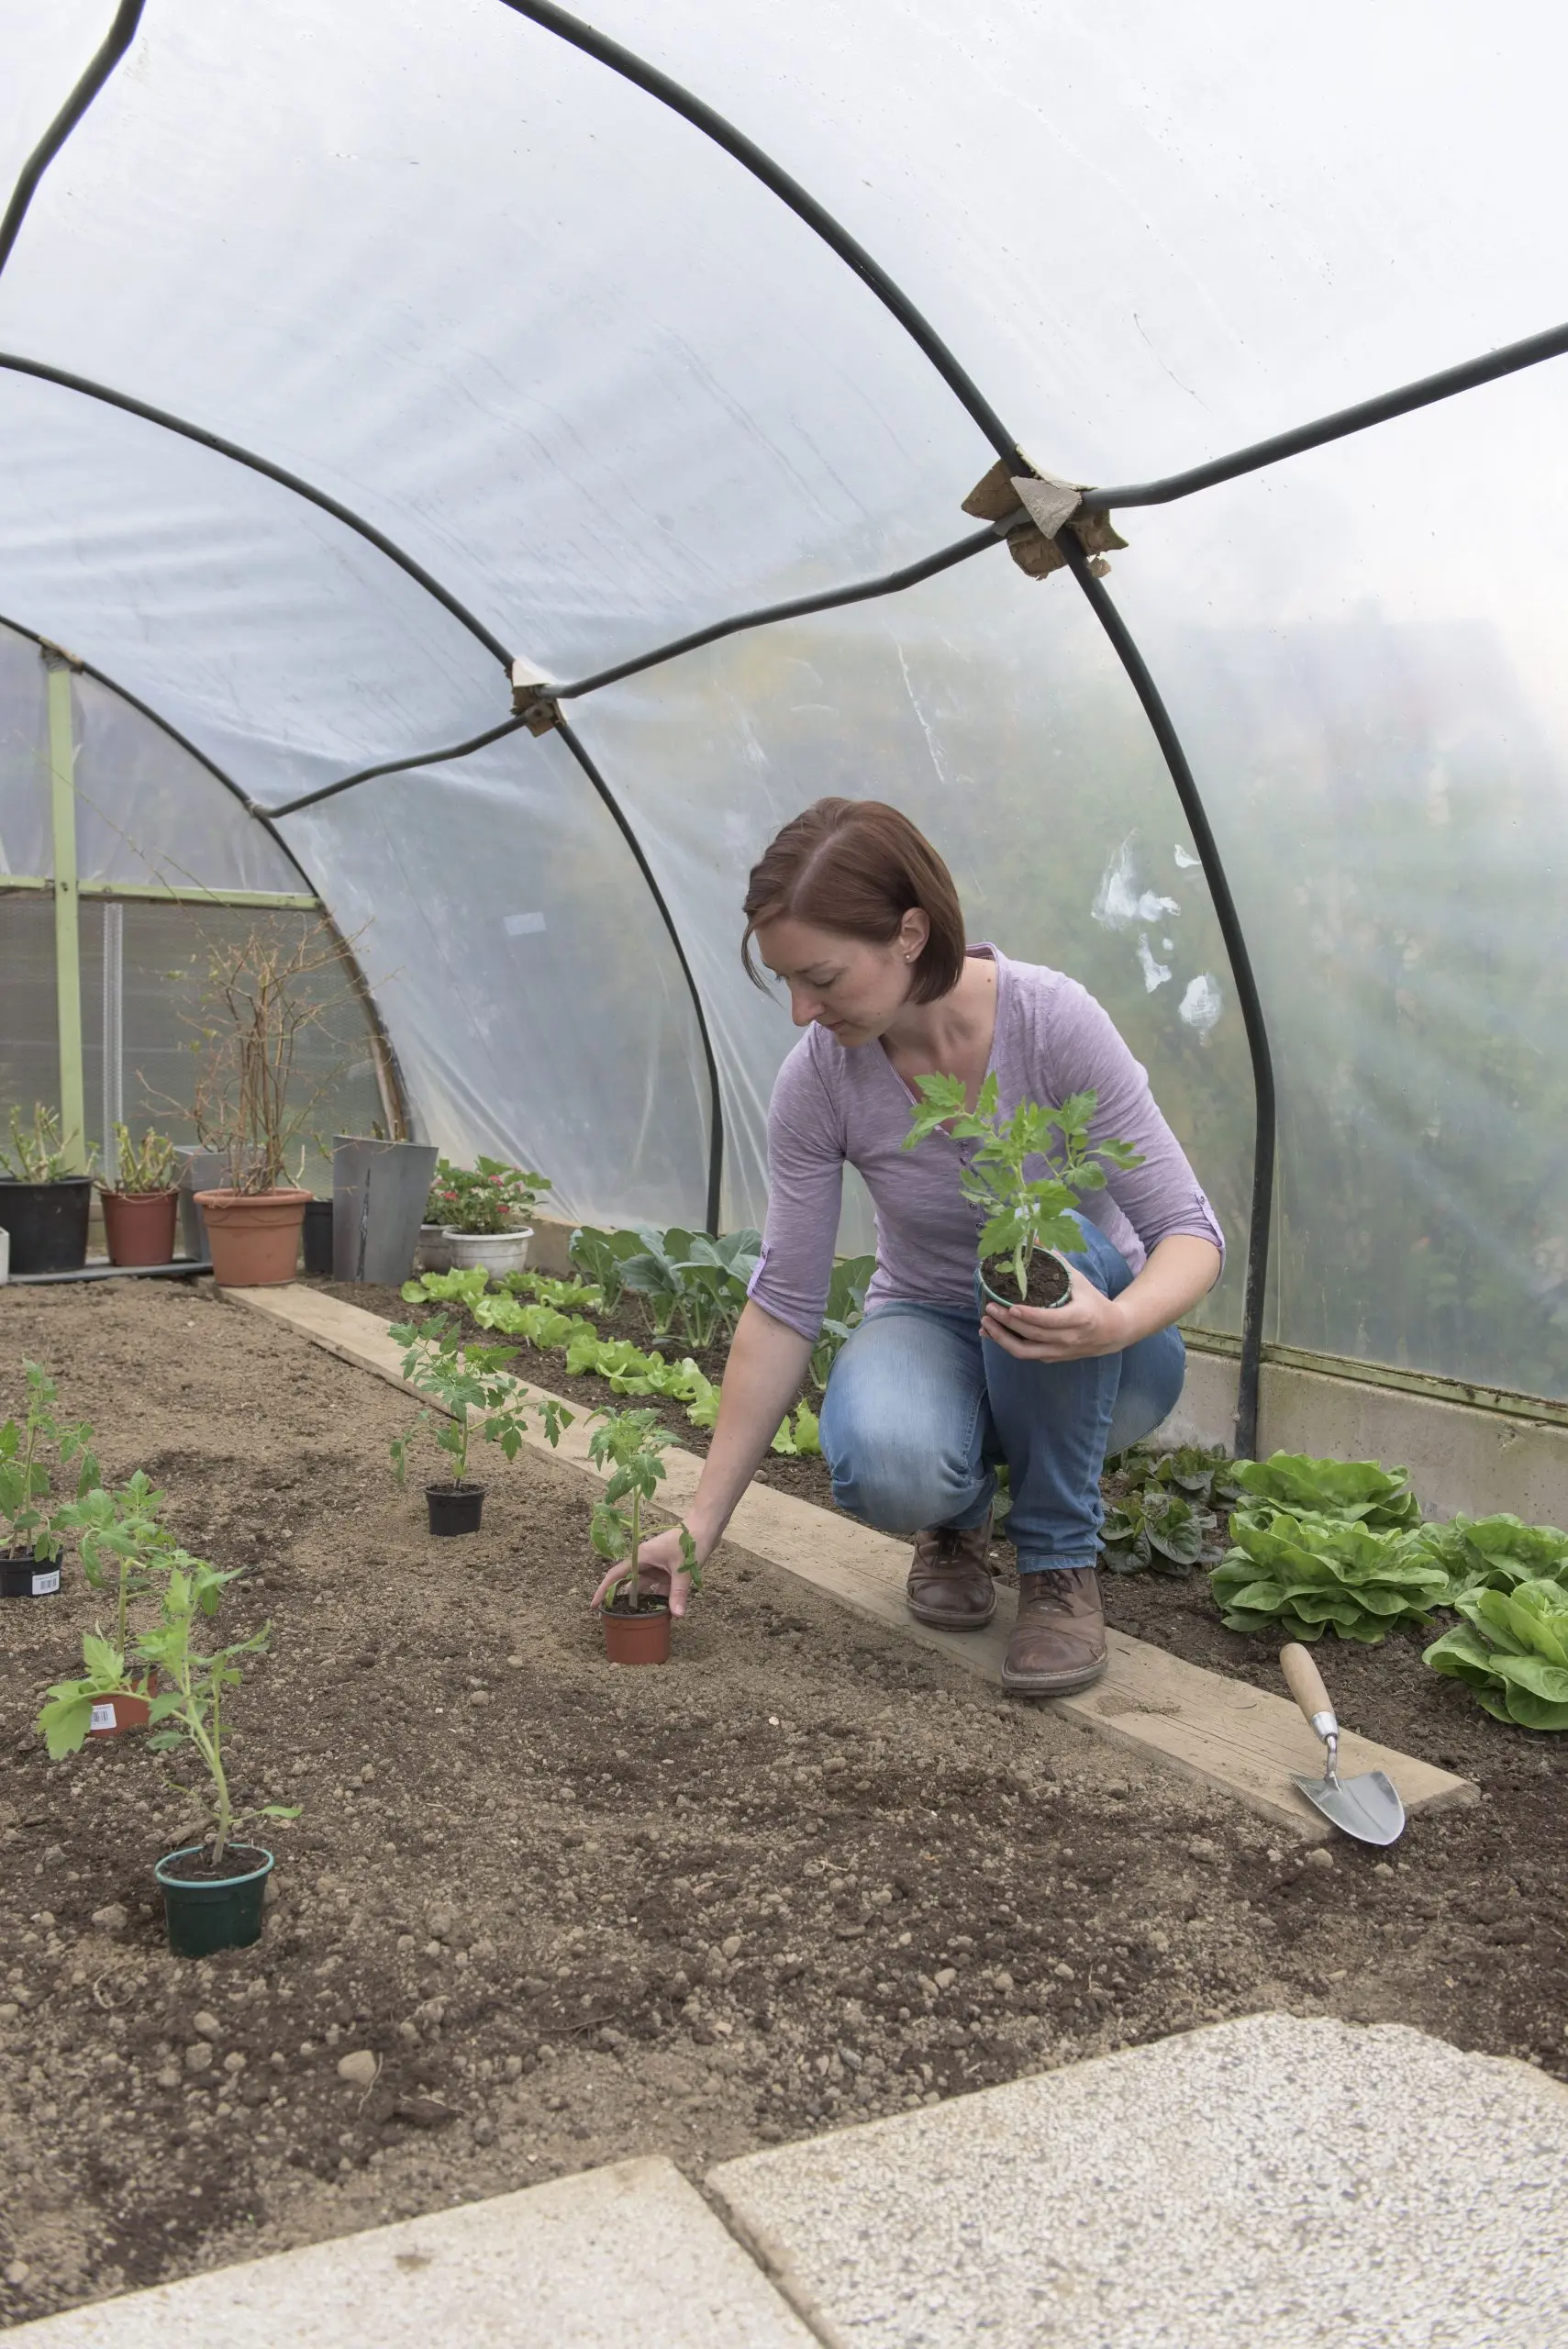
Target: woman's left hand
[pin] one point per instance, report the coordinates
(1089, 1323)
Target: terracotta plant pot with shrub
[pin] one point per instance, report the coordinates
(260, 997)
(143, 1202)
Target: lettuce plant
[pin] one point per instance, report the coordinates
(1495, 1552)
(1156, 1528)
(1303, 1575)
(1021, 1213)
(1512, 1650)
(1356, 1492)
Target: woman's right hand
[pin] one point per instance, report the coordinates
(660, 1571)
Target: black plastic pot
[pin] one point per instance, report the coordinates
(224, 1912)
(47, 1223)
(318, 1240)
(454, 1509)
(23, 1576)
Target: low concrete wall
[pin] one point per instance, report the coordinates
(1459, 1458)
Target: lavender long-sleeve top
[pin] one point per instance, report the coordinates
(833, 1106)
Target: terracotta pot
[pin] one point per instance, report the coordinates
(139, 1226)
(643, 1638)
(253, 1235)
(112, 1716)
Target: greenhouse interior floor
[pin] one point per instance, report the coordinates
(814, 1872)
(1268, 2180)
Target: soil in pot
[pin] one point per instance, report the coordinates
(253, 1236)
(206, 1909)
(138, 1226)
(47, 1223)
(454, 1509)
(1048, 1281)
(23, 1576)
(639, 1635)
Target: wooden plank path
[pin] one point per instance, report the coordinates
(1221, 1732)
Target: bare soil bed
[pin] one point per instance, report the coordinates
(806, 1873)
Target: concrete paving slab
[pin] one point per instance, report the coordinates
(1221, 1732)
(1267, 2184)
(628, 2257)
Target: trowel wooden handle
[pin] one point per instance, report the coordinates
(1304, 1680)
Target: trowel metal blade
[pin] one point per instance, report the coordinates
(1367, 1807)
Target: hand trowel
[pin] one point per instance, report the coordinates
(1367, 1807)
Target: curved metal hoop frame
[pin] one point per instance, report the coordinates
(744, 151)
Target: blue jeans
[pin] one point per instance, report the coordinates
(921, 1410)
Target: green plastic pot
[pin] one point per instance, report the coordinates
(202, 1918)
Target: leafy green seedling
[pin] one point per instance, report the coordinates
(602, 1255)
(846, 1304)
(1204, 1476)
(143, 1169)
(27, 1522)
(1356, 1492)
(1303, 1574)
(124, 1544)
(1022, 1212)
(1156, 1528)
(188, 1710)
(629, 1444)
(477, 1399)
(1495, 1552)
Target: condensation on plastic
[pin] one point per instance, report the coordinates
(540, 1011)
(570, 355)
(995, 716)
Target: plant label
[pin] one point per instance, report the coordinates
(103, 1717)
(44, 1584)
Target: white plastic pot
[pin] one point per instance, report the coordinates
(434, 1253)
(497, 1252)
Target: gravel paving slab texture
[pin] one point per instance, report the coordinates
(809, 1874)
(629, 2257)
(1272, 2182)
(1246, 1742)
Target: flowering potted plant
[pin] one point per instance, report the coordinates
(484, 1214)
(142, 1201)
(44, 1200)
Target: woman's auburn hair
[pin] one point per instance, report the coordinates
(857, 866)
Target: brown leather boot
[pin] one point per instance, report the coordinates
(950, 1583)
(1059, 1641)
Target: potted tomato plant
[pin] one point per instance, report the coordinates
(637, 1625)
(142, 1201)
(485, 1212)
(476, 1399)
(1029, 1224)
(44, 1201)
(30, 1539)
(124, 1547)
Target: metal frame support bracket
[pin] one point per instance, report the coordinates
(1048, 505)
(533, 702)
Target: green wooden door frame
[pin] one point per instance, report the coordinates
(67, 915)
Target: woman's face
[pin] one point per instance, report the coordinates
(852, 989)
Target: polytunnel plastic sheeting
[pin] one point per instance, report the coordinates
(25, 844)
(1154, 233)
(286, 648)
(147, 812)
(591, 374)
(1369, 681)
(536, 1004)
(43, 51)
(994, 714)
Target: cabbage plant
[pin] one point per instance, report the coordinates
(1303, 1575)
(1512, 1650)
